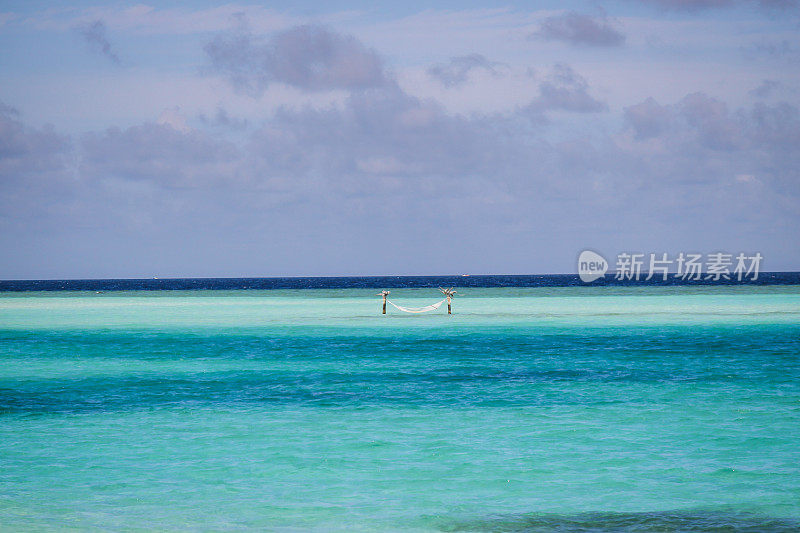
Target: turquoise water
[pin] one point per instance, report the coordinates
(535, 409)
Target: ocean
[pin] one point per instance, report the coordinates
(536, 406)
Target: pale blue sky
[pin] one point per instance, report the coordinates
(343, 138)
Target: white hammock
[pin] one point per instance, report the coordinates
(418, 309)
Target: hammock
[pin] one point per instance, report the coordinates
(418, 309)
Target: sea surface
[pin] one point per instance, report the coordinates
(531, 408)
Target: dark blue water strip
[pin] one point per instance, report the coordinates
(372, 282)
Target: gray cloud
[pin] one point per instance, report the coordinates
(783, 50)
(777, 129)
(158, 153)
(766, 89)
(401, 166)
(565, 90)
(223, 119)
(456, 71)
(95, 34)
(308, 57)
(700, 119)
(712, 122)
(27, 153)
(577, 28)
(382, 146)
(37, 176)
(405, 153)
(700, 136)
(388, 167)
(382, 133)
(648, 119)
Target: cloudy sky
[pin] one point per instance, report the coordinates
(181, 139)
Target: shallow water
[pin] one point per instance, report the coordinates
(641, 408)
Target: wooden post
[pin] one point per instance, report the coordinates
(448, 293)
(384, 294)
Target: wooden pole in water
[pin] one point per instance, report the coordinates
(384, 294)
(448, 293)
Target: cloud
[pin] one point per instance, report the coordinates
(385, 147)
(375, 135)
(783, 50)
(648, 119)
(306, 185)
(173, 118)
(222, 119)
(712, 121)
(394, 157)
(385, 166)
(766, 89)
(776, 128)
(700, 118)
(701, 138)
(95, 34)
(36, 171)
(168, 154)
(29, 153)
(565, 90)
(379, 144)
(456, 71)
(580, 29)
(308, 57)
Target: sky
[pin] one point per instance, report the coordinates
(195, 139)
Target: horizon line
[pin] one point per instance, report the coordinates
(610, 273)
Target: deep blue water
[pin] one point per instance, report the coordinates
(376, 282)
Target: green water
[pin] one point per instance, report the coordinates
(650, 408)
